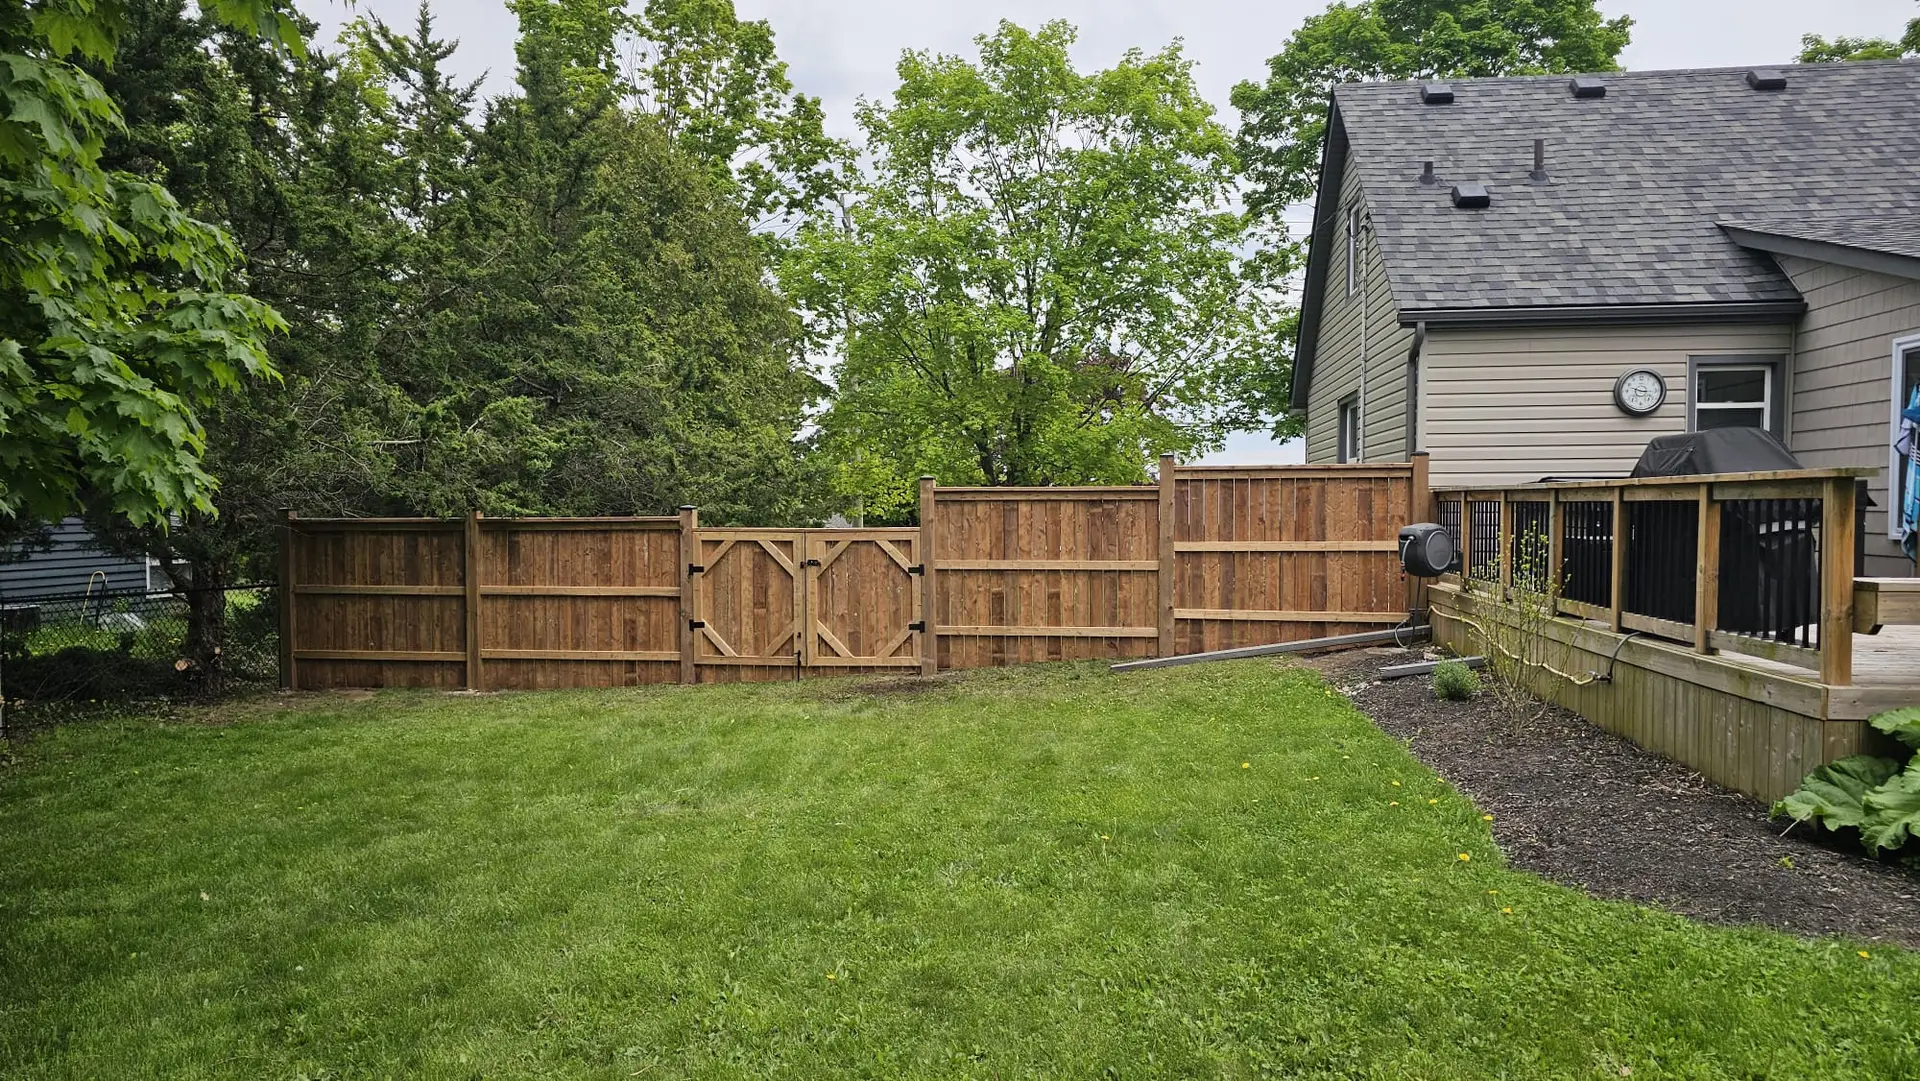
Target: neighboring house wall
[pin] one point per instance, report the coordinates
(1336, 370)
(68, 566)
(1507, 406)
(1842, 380)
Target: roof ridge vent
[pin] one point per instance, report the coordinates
(1587, 86)
(1471, 195)
(1436, 94)
(1766, 79)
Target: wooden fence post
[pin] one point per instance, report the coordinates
(470, 570)
(1836, 582)
(1168, 566)
(1419, 501)
(689, 559)
(929, 631)
(1706, 573)
(1556, 550)
(1617, 569)
(289, 678)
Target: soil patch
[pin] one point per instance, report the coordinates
(1589, 809)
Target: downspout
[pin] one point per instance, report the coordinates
(1413, 387)
(1360, 253)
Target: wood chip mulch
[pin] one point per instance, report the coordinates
(1591, 810)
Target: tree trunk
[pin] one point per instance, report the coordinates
(206, 643)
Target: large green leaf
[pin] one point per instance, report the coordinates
(1893, 810)
(1902, 724)
(1835, 794)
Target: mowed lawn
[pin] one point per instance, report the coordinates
(1214, 871)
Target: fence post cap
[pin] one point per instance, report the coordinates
(688, 506)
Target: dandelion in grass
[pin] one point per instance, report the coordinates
(1431, 802)
(1395, 784)
(1393, 803)
(1464, 857)
(1486, 818)
(831, 976)
(1865, 956)
(1508, 911)
(1246, 765)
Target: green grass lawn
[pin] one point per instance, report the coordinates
(1214, 871)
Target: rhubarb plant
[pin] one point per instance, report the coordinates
(1876, 795)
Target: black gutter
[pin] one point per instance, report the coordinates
(1582, 315)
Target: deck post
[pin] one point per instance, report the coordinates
(1168, 565)
(689, 559)
(1466, 540)
(289, 678)
(1706, 573)
(1617, 570)
(929, 632)
(1505, 558)
(1556, 546)
(470, 570)
(1836, 582)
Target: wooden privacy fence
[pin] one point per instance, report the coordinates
(1208, 558)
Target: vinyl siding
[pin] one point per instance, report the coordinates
(1842, 380)
(1336, 370)
(67, 566)
(1511, 406)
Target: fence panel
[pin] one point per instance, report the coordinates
(375, 604)
(1045, 574)
(1269, 555)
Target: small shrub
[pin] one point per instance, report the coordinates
(1454, 682)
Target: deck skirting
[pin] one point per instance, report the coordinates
(1758, 732)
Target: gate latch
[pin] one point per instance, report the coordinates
(811, 563)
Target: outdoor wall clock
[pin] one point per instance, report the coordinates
(1639, 392)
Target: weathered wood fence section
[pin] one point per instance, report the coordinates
(1209, 557)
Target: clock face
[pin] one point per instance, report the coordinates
(1640, 392)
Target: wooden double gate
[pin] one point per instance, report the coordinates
(808, 598)
(1209, 557)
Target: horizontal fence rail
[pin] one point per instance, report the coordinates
(1206, 558)
(1755, 563)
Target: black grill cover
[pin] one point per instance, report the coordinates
(1716, 450)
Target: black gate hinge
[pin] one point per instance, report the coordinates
(696, 568)
(917, 625)
(917, 568)
(695, 624)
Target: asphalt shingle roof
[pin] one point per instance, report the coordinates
(1892, 234)
(1639, 181)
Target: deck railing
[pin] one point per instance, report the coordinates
(1754, 563)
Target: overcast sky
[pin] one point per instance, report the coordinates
(841, 50)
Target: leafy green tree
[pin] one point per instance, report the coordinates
(1815, 49)
(1283, 119)
(117, 323)
(1039, 280)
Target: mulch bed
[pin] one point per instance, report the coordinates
(1591, 810)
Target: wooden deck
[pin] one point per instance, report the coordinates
(1886, 674)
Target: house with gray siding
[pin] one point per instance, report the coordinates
(66, 563)
(1533, 276)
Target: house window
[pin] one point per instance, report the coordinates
(1350, 428)
(1735, 394)
(1353, 249)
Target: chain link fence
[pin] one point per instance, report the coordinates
(115, 647)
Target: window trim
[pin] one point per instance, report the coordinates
(1905, 353)
(1772, 404)
(1348, 436)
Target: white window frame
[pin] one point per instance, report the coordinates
(1353, 249)
(1906, 350)
(1704, 366)
(1348, 437)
